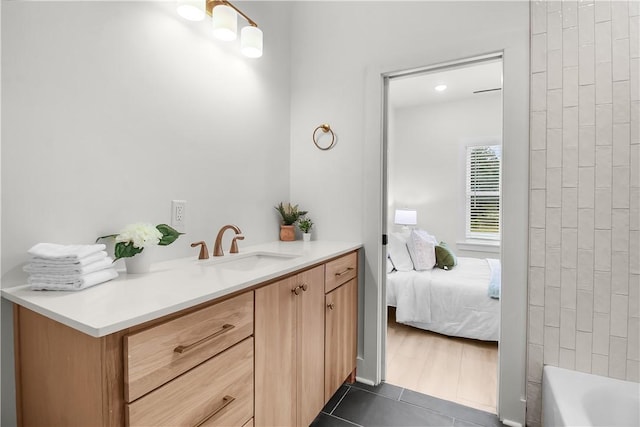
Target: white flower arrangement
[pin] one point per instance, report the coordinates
(135, 237)
(140, 235)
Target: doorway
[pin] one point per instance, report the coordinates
(443, 135)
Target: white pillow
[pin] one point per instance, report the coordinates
(422, 249)
(398, 252)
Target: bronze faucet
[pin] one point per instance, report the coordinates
(204, 252)
(217, 248)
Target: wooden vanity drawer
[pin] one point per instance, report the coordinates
(156, 355)
(340, 271)
(217, 393)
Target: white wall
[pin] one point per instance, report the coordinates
(340, 50)
(584, 270)
(427, 170)
(112, 109)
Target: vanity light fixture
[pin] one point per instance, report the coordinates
(440, 87)
(224, 21)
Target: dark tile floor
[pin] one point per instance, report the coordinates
(388, 405)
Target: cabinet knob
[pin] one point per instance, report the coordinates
(331, 306)
(305, 287)
(296, 290)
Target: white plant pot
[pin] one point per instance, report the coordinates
(306, 237)
(139, 263)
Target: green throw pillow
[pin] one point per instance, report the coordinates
(445, 258)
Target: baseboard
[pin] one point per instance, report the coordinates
(365, 381)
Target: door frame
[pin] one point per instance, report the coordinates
(385, 159)
(514, 248)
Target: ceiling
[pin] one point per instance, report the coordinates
(418, 89)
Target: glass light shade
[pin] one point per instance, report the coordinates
(225, 23)
(192, 10)
(406, 217)
(251, 41)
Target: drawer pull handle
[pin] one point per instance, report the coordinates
(225, 402)
(331, 306)
(344, 272)
(184, 348)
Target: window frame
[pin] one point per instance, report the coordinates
(469, 193)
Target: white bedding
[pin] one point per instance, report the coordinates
(451, 302)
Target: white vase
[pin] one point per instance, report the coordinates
(139, 263)
(306, 237)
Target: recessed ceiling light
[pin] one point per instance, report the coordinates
(440, 88)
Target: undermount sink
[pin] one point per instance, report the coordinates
(250, 261)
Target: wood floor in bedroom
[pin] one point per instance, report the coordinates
(456, 369)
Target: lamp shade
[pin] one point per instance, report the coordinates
(406, 217)
(251, 41)
(192, 10)
(225, 23)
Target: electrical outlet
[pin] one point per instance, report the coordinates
(179, 215)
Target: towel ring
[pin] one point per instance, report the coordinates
(325, 128)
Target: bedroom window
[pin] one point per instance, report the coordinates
(483, 192)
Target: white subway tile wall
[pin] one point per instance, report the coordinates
(584, 266)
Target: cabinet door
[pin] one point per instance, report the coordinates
(310, 336)
(275, 354)
(340, 335)
(289, 352)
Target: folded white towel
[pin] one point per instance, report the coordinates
(66, 253)
(43, 262)
(84, 282)
(69, 272)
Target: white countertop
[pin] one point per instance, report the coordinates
(169, 287)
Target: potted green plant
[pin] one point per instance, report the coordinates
(305, 225)
(289, 214)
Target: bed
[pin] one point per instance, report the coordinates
(462, 302)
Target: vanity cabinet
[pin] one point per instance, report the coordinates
(289, 334)
(341, 322)
(268, 355)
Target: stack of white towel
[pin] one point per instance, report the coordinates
(68, 267)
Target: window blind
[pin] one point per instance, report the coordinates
(483, 192)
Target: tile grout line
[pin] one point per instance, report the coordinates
(432, 410)
(446, 413)
(340, 401)
(345, 420)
